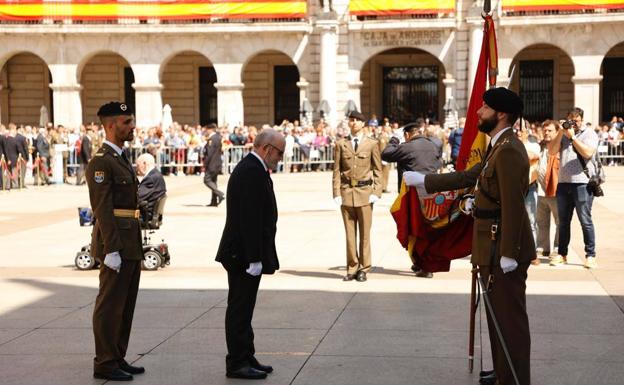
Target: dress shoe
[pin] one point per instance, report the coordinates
(113, 375)
(487, 377)
(415, 268)
(220, 199)
(247, 372)
(126, 367)
(424, 274)
(361, 276)
(256, 365)
(348, 277)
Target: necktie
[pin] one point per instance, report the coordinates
(355, 146)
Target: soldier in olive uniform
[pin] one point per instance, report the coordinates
(116, 243)
(501, 184)
(356, 186)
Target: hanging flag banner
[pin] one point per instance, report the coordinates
(553, 5)
(31, 10)
(400, 7)
(432, 227)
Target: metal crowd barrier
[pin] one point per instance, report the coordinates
(611, 152)
(190, 160)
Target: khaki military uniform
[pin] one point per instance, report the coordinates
(385, 166)
(502, 183)
(356, 177)
(113, 193)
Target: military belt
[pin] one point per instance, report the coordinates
(126, 213)
(361, 183)
(486, 214)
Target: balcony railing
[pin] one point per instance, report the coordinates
(560, 7)
(401, 9)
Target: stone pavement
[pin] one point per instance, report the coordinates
(312, 327)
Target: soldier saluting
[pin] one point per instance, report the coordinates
(502, 242)
(115, 242)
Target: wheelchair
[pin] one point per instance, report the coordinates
(155, 255)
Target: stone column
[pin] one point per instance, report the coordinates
(147, 94)
(354, 93)
(67, 104)
(329, 53)
(230, 104)
(148, 100)
(476, 39)
(587, 96)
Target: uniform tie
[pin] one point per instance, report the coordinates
(355, 145)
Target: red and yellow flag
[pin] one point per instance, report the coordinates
(154, 9)
(563, 5)
(400, 7)
(432, 228)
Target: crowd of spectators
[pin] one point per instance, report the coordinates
(178, 148)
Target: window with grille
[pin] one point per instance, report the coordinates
(536, 89)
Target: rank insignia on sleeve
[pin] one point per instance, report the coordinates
(99, 176)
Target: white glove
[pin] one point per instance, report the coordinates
(255, 269)
(373, 198)
(113, 261)
(338, 201)
(414, 178)
(468, 205)
(398, 135)
(508, 264)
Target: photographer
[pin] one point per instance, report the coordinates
(576, 145)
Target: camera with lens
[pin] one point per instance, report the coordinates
(569, 124)
(594, 187)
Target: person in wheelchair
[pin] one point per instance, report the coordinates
(152, 186)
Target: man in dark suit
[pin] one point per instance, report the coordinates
(22, 148)
(152, 186)
(4, 179)
(84, 155)
(213, 164)
(12, 152)
(116, 243)
(247, 249)
(502, 181)
(42, 144)
(418, 153)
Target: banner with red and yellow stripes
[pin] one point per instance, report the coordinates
(399, 7)
(541, 5)
(30, 10)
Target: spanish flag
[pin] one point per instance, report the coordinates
(432, 228)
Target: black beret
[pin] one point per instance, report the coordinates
(503, 100)
(114, 109)
(355, 114)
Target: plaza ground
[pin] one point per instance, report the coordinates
(312, 327)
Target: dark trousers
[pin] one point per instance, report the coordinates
(508, 298)
(210, 180)
(239, 335)
(572, 196)
(112, 316)
(80, 173)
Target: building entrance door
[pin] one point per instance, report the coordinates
(612, 88)
(536, 89)
(207, 96)
(410, 93)
(286, 93)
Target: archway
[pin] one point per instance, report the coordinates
(403, 84)
(25, 80)
(612, 93)
(105, 77)
(543, 78)
(271, 93)
(188, 80)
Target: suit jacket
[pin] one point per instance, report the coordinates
(43, 146)
(351, 167)
(419, 154)
(251, 220)
(212, 154)
(22, 146)
(113, 185)
(502, 183)
(152, 188)
(85, 149)
(2, 152)
(11, 149)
